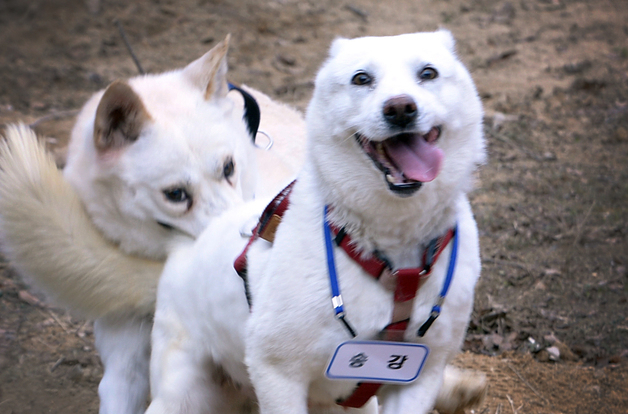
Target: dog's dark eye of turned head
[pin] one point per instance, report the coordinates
(361, 78)
(177, 195)
(228, 168)
(428, 73)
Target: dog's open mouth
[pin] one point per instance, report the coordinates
(407, 160)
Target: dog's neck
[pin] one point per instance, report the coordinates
(380, 220)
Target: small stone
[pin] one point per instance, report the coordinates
(553, 353)
(286, 59)
(566, 354)
(550, 339)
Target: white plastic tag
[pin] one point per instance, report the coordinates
(377, 361)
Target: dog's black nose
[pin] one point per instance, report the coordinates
(400, 110)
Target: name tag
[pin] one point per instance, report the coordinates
(377, 361)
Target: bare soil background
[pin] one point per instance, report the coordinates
(550, 325)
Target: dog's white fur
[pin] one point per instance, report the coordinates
(198, 365)
(46, 232)
(153, 133)
(192, 131)
(291, 333)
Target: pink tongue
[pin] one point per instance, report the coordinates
(417, 159)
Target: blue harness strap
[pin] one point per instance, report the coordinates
(407, 283)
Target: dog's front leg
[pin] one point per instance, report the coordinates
(178, 380)
(461, 389)
(124, 346)
(415, 398)
(278, 389)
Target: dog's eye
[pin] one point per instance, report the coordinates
(177, 195)
(228, 169)
(361, 78)
(428, 73)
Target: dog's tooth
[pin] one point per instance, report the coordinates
(380, 149)
(390, 178)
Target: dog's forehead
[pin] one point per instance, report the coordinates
(408, 49)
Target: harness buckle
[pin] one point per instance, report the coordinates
(430, 320)
(268, 232)
(388, 279)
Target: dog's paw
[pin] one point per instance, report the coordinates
(461, 389)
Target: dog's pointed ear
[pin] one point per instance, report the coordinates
(119, 118)
(447, 39)
(209, 72)
(337, 45)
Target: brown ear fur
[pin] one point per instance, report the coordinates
(119, 118)
(209, 72)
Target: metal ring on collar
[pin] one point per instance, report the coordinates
(270, 141)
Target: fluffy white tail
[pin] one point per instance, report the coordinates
(48, 236)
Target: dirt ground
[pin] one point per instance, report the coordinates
(550, 325)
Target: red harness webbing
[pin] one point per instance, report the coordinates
(404, 282)
(266, 227)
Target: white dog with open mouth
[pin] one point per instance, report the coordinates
(378, 242)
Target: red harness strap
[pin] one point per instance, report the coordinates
(405, 284)
(373, 265)
(267, 226)
(361, 395)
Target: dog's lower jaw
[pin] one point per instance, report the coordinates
(405, 189)
(399, 183)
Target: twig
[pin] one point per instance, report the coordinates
(538, 394)
(358, 12)
(53, 116)
(56, 365)
(61, 324)
(128, 46)
(512, 405)
(580, 225)
(498, 410)
(78, 330)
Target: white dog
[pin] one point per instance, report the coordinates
(395, 136)
(151, 158)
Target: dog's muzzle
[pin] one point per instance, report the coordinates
(407, 160)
